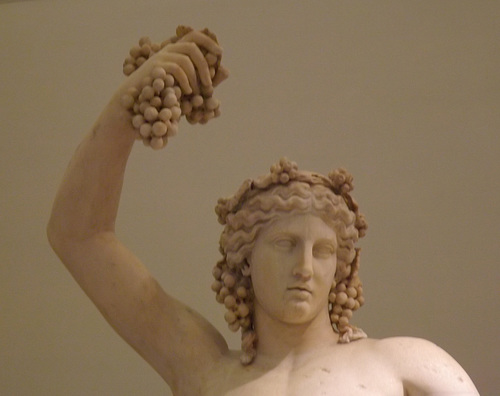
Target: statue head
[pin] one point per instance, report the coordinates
(261, 201)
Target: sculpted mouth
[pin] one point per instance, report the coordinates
(300, 288)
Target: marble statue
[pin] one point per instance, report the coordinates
(288, 276)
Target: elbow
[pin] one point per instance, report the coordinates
(65, 240)
(53, 236)
(57, 236)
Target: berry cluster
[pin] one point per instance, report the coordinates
(158, 103)
(236, 294)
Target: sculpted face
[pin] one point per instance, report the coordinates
(258, 274)
(292, 267)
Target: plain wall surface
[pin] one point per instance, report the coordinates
(405, 95)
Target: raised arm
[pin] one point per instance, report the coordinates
(81, 231)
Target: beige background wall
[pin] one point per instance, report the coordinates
(405, 94)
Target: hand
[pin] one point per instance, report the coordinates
(183, 58)
(177, 79)
(203, 40)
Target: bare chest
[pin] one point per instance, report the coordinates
(317, 377)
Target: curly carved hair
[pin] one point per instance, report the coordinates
(258, 203)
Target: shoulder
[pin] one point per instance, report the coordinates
(400, 349)
(423, 366)
(411, 347)
(396, 348)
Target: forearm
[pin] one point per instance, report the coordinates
(88, 198)
(87, 201)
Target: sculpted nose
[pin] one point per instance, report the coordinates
(304, 266)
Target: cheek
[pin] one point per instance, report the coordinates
(334, 265)
(263, 287)
(267, 277)
(327, 270)
(263, 275)
(264, 264)
(258, 273)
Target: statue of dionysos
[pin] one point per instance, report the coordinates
(288, 276)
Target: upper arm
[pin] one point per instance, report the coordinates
(161, 329)
(426, 369)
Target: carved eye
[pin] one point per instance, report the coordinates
(324, 250)
(284, 243)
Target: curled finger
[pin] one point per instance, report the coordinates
(201, 39)
(180, 76)
(187, 66)
(191, 50)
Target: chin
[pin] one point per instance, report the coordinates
(298, 313)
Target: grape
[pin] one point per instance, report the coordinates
(165, 114)
(170, 100)
(157, 143)
(197, 101)
(151, 114)
(176, 113)
(158, 85)
(145, 130)
(159, 128)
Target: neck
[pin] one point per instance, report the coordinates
(278, 339)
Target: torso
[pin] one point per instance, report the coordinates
(341, 369)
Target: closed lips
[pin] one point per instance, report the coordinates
(302, 288)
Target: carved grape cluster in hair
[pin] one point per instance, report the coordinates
(342, 181)
(287, 190)
(342, 184)
(233, 288)
(284, 171)
(345, 297)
